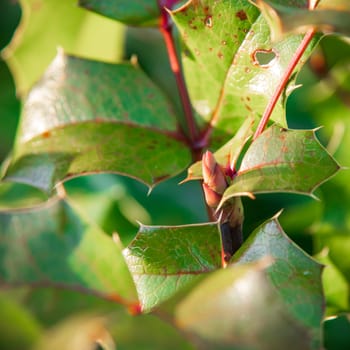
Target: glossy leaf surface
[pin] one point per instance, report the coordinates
(238, 308)
(296, 276)
(73, 125)
(282, 160)
(232, 72)
(164, 260)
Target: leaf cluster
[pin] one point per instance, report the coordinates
(94, 226)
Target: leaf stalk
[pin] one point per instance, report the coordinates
(166, 29)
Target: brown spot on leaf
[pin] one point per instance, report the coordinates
(241, 15)
(46, 134)
(220, 55)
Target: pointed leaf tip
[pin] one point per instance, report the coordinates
(282, 160)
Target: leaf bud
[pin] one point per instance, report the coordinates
(213, 175)
(212, 198)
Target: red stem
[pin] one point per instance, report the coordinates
(165, 28)
(292, 64)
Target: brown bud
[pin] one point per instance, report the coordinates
(213, 176)
(211, 197)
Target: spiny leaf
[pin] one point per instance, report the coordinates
(134, 12)
(72, 124)
(52, 245)
(296, 276)
(230, 64)
(329, 16)
(49, 24)
(239, 308)
(282, 160)
(164, 260)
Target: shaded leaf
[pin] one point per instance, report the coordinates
(238, 308)
(295, 275)
(337, 332)
(135, 12)
(72, 124)
(329, 16)
(52, 245)
(75, 30)
(282, 160)
(231, 67)
(163, 260)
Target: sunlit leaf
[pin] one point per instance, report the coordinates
(238, 308)
(231, 66)
(164, 260)
(72, 125)
(48, 24)
(296, 276)
(282, 160)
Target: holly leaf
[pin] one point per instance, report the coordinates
(328, 16)
(78, 32)
(72, 125)
(231, 71)
(282, 160)
(295, 276)
(139, 12)
(163, 260)
(239, 308)
(52, 245)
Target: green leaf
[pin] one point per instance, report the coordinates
(231, 66)
(72, 125)
(329, 16)
(295, 275)
(164, 259)
(282, 160)
(336, 287)
(134, 12)
(52, 245)
(18, 328)
(48, 24)
(238, 308)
